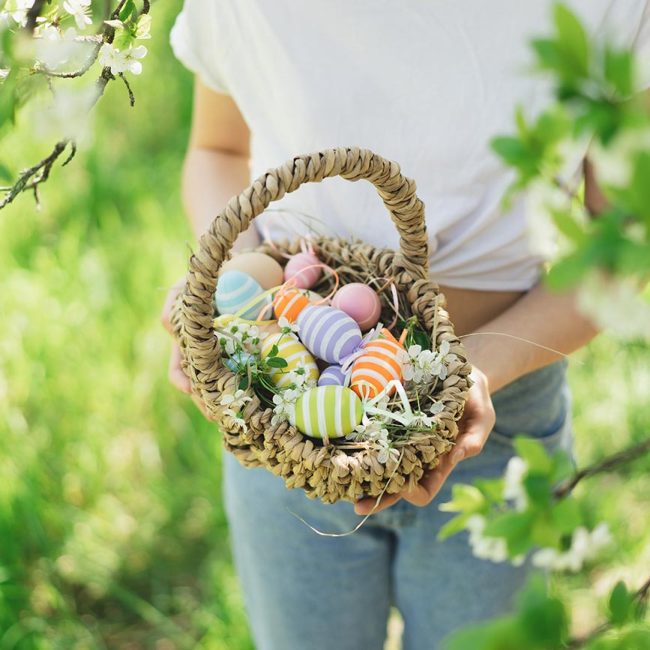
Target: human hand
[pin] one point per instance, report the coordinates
(175, 372)
(474, 428)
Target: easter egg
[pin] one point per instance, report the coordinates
(262, 268)
(304, 269)
(328, 333)
(331, 411)
(332, 376)
(288, 303)
(360, 302)
(235, 290)
(294, 353)
(380, 365)
(239, 361)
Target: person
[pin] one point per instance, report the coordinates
(426, 83)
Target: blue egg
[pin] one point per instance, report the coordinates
(235, 289)
(238, 360)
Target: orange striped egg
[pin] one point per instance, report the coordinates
(380, 365)
(289, 303)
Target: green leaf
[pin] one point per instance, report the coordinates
(620, 604)
(464, 498)
(453, 526)
(572, 39)
(619, 70)
(539, 489)
(533, 452)
(543, 617)
(492, 489)
(276, 362)
(563, 466)
(515, 528)
(569, 226)
(566, 515)
(273, 352)
(127, 10)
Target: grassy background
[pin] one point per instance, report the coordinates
(112, 533)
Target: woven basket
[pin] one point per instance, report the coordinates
(327, 471)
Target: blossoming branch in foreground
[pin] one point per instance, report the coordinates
(122, 60)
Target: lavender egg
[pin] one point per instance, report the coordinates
(328, 333)
(332, 376)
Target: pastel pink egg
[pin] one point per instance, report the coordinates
(360, 302)
(305, 269)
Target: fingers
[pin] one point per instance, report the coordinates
(169, 303)
(176, 375)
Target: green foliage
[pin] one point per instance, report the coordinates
(540, 622)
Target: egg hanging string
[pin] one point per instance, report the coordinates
(519, 338)
(363, 521)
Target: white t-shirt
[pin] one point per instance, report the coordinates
(426, 83)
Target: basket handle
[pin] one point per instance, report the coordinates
(194, 309)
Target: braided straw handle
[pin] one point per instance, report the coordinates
(194, 310)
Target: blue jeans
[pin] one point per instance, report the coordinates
(303, 591)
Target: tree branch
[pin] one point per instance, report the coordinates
(581, 641)
(605, 465)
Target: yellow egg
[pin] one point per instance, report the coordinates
(294, 353)
(263, 268)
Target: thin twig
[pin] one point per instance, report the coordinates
(579, 642)
(606, 465)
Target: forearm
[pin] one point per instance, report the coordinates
(545, 318)
(210, 178)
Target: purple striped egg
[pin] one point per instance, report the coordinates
(328, 333)
(332, 376)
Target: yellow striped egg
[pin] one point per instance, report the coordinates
(332, 411)
(294, 353)
(378, 366)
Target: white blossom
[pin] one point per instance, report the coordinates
(79, 10)
(494, 549)
(585, 546)
(285, 406)
(54, 48)
(542, 198)
(18, 9)
(122, 61)
(66, 113)
(421, 366)
(300, 379)
(287, 326)
(615, 304)
(513, 488)
(437, 407)
(614, 163)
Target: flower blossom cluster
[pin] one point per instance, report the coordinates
(585, 546)
(235, 404)
(241, 336)
(422, 366)
(494, 549)
(513, 479)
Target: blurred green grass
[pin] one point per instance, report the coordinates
(112, 532)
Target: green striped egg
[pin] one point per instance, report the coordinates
(333, 411)
(294, 353)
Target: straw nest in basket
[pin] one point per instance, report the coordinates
(354, 466)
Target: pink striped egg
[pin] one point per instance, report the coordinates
(304, 269)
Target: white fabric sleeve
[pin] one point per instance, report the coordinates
(193, 40)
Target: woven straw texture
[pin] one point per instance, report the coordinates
(333, 471)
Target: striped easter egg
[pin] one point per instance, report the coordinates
(288, 303)
(332, 376)
(235, 289)
(294, 353)
(372, 371)
(331, 411)
(328, 333)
